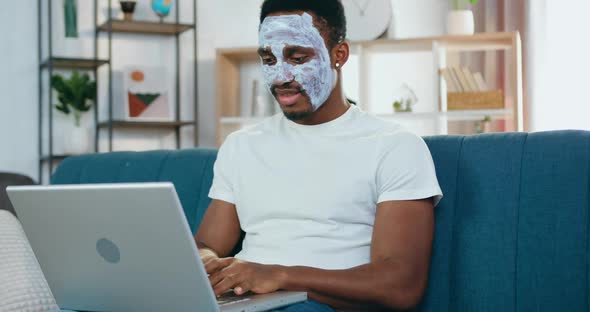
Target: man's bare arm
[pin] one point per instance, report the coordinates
(219, 231)
(400, 258)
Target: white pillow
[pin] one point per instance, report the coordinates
(22, 284)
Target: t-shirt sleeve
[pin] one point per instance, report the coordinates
(224, 177)
(405, 169)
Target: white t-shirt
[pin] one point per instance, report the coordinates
(307, 195)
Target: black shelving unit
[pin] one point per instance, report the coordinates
(47, 65)
(113, 26)
(110, 28)
(71, 63)
(144, 124)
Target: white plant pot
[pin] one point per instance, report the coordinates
(77, 141)
(460, 22)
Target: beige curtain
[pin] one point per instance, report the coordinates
(508, 15)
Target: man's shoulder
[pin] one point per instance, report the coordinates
(383, 128)
(389, 134)
(400, 141)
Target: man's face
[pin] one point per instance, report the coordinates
(295, 64)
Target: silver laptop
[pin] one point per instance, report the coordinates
(123, 247)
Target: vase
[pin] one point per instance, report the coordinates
(71, 18)
(77, 141)
(460, 22)
(128, 7)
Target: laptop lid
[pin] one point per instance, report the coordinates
(126, 247)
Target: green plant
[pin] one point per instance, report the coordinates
(461, 4)
(480, 125)
(406, 98)
(398, 106)
(74, 93)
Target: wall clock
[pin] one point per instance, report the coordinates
(367, 19)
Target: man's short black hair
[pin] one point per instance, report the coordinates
(329, 12)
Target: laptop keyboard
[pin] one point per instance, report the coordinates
(231, 298)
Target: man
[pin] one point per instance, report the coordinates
(333, 201)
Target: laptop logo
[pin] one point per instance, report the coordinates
(108, 250)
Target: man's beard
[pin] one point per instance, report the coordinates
(295, 116)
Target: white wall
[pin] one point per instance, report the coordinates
(560, 65)
(18, 87)
(221, 24)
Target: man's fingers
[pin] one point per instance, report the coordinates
(208, 258)
(226, 284)
(211, 265)
(217, 277)
(215, 265)
(220, 274)
(208, 262)
(242, 288)
(204, 252)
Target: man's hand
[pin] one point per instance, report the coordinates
(209, 258)
(242, 276)
(395, 278)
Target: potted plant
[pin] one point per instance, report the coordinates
(460, 20)
(484, 125)
(75, 95)
(406, 98)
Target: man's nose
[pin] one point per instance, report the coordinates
(282, 75)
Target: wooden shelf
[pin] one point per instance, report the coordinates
(73, 63)
(459, 115)
(476, 42)
(138, 27)
(146, 124)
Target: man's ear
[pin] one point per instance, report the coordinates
(340, 54)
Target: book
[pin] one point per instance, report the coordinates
(470, 79)
(455, 79)
(462, 79)
(481, 83)
(451, 86)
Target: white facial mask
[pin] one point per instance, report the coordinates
(316, 76)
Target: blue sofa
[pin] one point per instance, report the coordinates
(512, 232)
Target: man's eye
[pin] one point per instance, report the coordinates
(268, 60)
(299, 60)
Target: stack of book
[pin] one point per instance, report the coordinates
(466, 90)
(463, 80)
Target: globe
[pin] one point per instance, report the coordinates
(162, 7)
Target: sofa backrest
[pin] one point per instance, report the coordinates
(511, 231)
(8, 179)
(191, 171)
